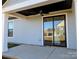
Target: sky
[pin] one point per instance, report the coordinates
(50, 24)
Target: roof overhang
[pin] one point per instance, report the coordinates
(25, 5)
(62, 5)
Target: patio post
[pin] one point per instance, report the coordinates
(4, 32)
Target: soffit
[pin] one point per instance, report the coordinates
(67, 4)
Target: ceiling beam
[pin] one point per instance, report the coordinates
(17, 15)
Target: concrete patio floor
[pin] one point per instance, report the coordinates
(37, 52)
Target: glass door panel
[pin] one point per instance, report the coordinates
(48, 31)
(59, 31)
(59, 36)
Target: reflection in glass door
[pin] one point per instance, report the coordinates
(48, 31)
(54, 31)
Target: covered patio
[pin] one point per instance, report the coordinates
(40, 52)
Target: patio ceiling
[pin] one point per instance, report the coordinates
(67, 4)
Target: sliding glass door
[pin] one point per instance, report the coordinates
(54, 31)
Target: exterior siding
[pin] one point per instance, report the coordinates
(72, 40)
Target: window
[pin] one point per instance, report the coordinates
(10, 28)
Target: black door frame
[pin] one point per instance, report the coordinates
(53, 30)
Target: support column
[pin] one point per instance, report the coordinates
(4, 32)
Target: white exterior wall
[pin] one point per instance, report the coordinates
(27, 31)
(72, 33)
(72, 41)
